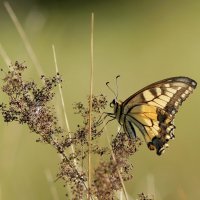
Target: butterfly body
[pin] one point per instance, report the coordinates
(152, 110)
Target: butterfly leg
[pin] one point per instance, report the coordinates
(113, 118)
(103, 116)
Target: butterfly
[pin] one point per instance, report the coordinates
(152, 110)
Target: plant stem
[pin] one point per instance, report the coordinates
(90, 105)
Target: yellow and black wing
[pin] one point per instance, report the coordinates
(153, 108)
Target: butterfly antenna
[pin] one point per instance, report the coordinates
(117, 85)
(107, 83)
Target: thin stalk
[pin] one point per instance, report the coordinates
(1, 198)
(118, 170)
(63, 103)
(50, 180)
(54, 144)
(121, 191)
(151, 185)
(90, 104)
(23, 37)
(4, 55)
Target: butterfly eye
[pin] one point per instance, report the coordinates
(112, 104)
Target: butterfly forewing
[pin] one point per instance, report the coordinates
(153, 109)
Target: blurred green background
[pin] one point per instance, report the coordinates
(143, 41)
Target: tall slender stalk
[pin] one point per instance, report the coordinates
(118, 171)
(90, 104)
(63, 103)
(23, 37)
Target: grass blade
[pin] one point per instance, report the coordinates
(63, 103)
(23, 37)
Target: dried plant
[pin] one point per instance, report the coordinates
(142, 196)
(30, 104)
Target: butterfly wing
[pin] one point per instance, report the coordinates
(153, 108)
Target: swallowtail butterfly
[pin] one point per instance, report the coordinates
(152, 110)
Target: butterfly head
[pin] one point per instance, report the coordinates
(115, 103)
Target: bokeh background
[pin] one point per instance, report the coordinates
(143, 41)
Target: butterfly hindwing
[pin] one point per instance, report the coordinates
(153, 109)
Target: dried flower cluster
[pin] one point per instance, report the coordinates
(30, 104)
(107, 175)
(142, 196)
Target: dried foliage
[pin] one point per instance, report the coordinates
(30, 104)
(142, 196)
